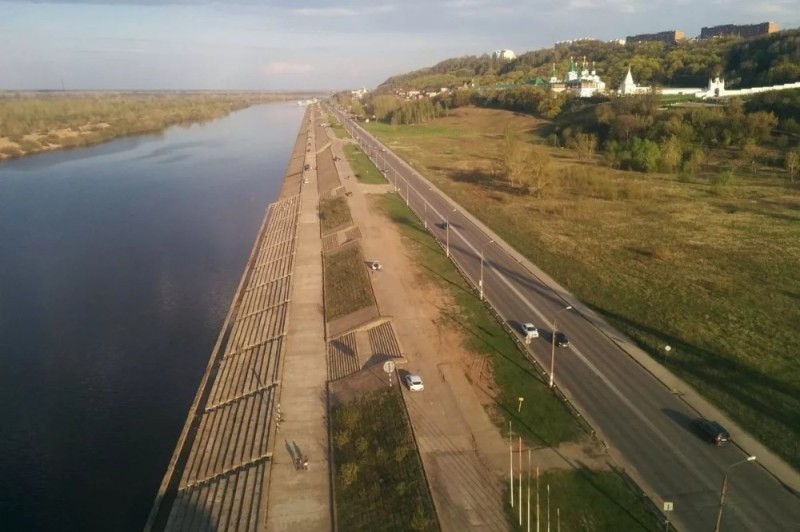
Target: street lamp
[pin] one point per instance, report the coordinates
(480, 283)
(447, 235)
(553, 346)
(725, 488)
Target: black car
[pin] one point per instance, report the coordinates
(711, 431)
(561, 339)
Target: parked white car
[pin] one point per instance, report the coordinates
(414, 382)
(530, 331)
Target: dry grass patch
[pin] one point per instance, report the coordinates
(710, 270)
(334, 214)
(347, 284)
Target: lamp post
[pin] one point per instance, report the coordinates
(480, 282)
(553, 347)
(725, 488)
(447, 234)
(667, 349)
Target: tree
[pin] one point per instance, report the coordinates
(538, 162)
(644, 154)
(585, 144)
(792, 163)
(514, 157)
(695, 161)
(671, 153)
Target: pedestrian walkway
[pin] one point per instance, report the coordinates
(299, 497)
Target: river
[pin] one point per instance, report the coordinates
(117, 266)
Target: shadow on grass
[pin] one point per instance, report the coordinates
(484, 179)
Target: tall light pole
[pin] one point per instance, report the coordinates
(447, 234)
(553, 346)
(480, 282)
(725, 488)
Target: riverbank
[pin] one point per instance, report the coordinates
(34, 122)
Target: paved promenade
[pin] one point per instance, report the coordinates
(299, 498)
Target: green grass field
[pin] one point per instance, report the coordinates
(379, 481)
(581, 500)
(337, 128)
(708, 268)
(544, 420)
(347, 284)
(362, 167)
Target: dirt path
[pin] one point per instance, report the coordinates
(464, 455)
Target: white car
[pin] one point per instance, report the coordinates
(529, 330)
(414, 383)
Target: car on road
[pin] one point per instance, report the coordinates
(561, 339)
(711, 431)
(529, 331)
(414, 382)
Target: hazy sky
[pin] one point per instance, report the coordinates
(313, 44)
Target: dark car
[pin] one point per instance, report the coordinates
(711, 431)
(561, 339)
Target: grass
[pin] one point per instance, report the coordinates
(709, 269)
(582, 500)
(347, 285)
(337, 127)
(362, 167)
(379, 481)
(544, 419)
(334, 214)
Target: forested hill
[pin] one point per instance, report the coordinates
(769, 60)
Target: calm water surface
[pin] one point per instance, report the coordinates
(117, 266)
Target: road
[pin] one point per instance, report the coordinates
(644, 424)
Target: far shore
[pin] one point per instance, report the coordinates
(38, 122)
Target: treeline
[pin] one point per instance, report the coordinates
(31, 122)
(767, 60)
(635, 133)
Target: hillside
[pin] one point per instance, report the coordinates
(770, 59)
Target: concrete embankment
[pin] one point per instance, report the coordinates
(219, 475)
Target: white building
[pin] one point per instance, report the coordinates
(506, 55)
(628, 86)
(715, 89)
(583, 84)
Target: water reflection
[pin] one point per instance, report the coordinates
(117, 265)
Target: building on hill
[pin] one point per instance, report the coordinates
(629, 87)
(739, 30)
(583, 83)
(671, 37)
(506, 55)
(570, 42)
(715, 89)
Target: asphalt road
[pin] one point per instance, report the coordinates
(645, 425)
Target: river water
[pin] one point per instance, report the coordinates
(117, 267)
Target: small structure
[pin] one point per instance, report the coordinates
(584, 83)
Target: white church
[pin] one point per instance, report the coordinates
(582, 84)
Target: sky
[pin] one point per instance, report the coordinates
(312, 44)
